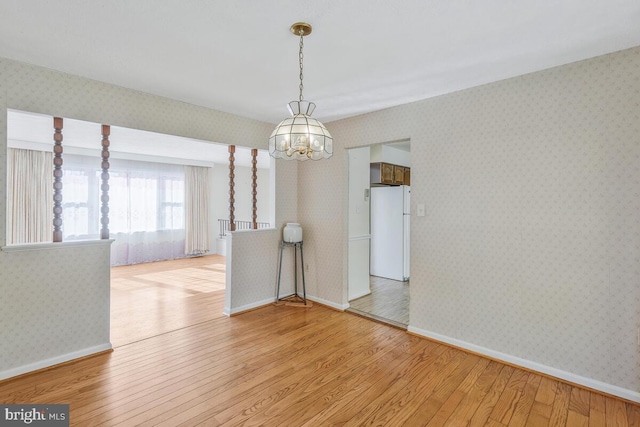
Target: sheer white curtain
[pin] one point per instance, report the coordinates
(146, 211)
(146, 207)
(80, 198)
(197, 191)
(29, 196)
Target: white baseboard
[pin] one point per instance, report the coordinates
(534, 366)
(9, 373)
(341, 307)
(231, 311)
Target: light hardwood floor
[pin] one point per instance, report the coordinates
(290, 366)
(388, 302)
(155, 298)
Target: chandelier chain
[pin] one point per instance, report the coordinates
(301, 57)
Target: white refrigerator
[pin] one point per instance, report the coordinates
(390, 220)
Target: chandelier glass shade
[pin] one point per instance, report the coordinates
(301, 137)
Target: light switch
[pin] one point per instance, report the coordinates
(420, 208)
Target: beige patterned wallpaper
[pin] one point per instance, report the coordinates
(252, 257)
(252, 270)
(322, 203)
(24, 320)
(530, 247)
(52, 309)
(35, 89)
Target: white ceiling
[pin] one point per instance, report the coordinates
(363, 55)
(35, 132)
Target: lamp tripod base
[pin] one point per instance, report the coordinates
(294, 301)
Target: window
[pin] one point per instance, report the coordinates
(146, 207)
(80, 217)
(172, 204)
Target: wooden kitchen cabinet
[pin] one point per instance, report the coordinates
(389, 174)
(398, 175)
(381, 173)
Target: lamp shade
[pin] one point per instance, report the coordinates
(301, 137)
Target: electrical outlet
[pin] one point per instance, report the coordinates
(306, 268)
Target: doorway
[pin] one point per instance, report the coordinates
(372, 291)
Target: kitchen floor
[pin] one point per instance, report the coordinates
(388, 302)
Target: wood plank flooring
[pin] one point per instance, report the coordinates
(289, 366)
(154, 298)
(179, 361)
(387, 302)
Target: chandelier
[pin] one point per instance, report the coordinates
(301, 137)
